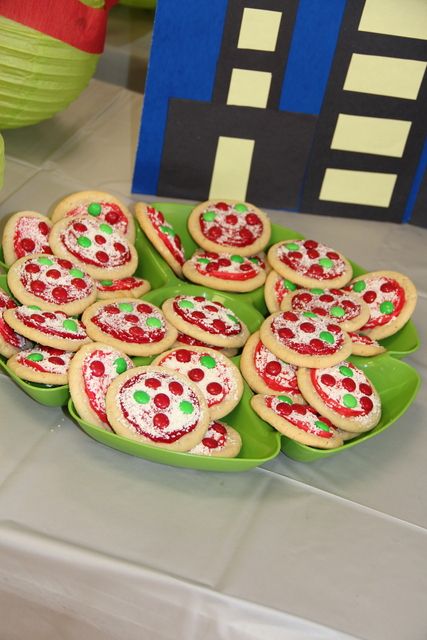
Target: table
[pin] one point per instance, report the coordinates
(96, 544)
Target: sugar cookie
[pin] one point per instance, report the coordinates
(225, 272)
(297, 421)
(24, 234)
(220, 440)
(275, 289)
(43, 365)
(364, 345)
(122, 288)
(218, 378)
(162, 235)
(51, 283)
(230, 226)
(91, 372)
(310, 264)
(159, 407)
(185, 340)
(343, 394)
(10, 341)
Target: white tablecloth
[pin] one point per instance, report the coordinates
(98, 544)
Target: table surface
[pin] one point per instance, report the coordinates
(98, 544)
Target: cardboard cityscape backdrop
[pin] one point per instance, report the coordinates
(308, 105)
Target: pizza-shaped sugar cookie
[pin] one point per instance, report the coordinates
(343, 394)
(122, 288)
(138, 328)
(364, 345)
(25, 233)
(49, 328)
(206, 320)
(297, 421)
(305, 339)
(158, 407)
(218, 378)
(91, 372)
(265, 373)
(391, 298)
(342, 307)
(223, 271)
(10, 341)
(99, 205)
(162, 235)
(220, 441)
(41, 364)
(310, 264)
(51, 283)
(229, 226)
(96, 246)
(188, 341)
(275, 289)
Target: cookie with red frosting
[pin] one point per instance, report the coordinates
(275, 289)
(10, 341)
(96, 246)
(100, 206)
(229, 226)
(266, 373)
(391, 298)
(206, 320)
(305, 339)
(297, 421)
(91, 372)
(162, 235)
(48, 328)
(51, 283)
(159, 407)
(343, 394)
(310, 264)
(364, 345)
(25, 233)
(220, 441)
(342, 307)
(187, 341)
(218, 378)
(225, 272)
(136, 327)
(41, 364)
(122, 288)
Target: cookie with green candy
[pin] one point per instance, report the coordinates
(41, 364)
(122, 288)
(157, 406)
(224, 271)
(95, 246)
(343, 394)
(342, 307)
(100, 205)
(276, 288)
(48, 328)
(391, 298)
(305, 339)
(162, 235)
(134, 326)
(299, 422)
(310, 263)
(218, 378)
(91, 372)
(51, 283)
(229, 226)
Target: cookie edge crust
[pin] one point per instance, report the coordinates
(31, 375)
(151, 234)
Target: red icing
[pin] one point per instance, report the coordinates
(277, 375)
(306, 262)
(111, 213)
(6, 332)
(115, 322)
(30, 236)
(230, 227)
(122, 284)
(201, 315)
(171, 240)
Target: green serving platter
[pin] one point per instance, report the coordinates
(157, 271)
(3, 265)
(396, 382)
(260, 442)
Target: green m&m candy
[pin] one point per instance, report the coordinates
(359, 286)
(94, 209)
(240, 208)
(326, 336)
(349, 401)
(141, 397)
(153, 323)
(120, 365)
(208, 362)
(84, 241)
(209, 216)
(35, 357)
(105, 228)
(321, 425)
(326, 262)
(70, 325)
(45, 261)
(185, 304)
(125, 306)
(337, 312)
(292, 246)
(186, 407)
(386, 307)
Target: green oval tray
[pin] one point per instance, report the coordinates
(260, 442)
(396, 382)
(157, 271)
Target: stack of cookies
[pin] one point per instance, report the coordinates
(81, 320)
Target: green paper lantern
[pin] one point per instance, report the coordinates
(39, 75)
